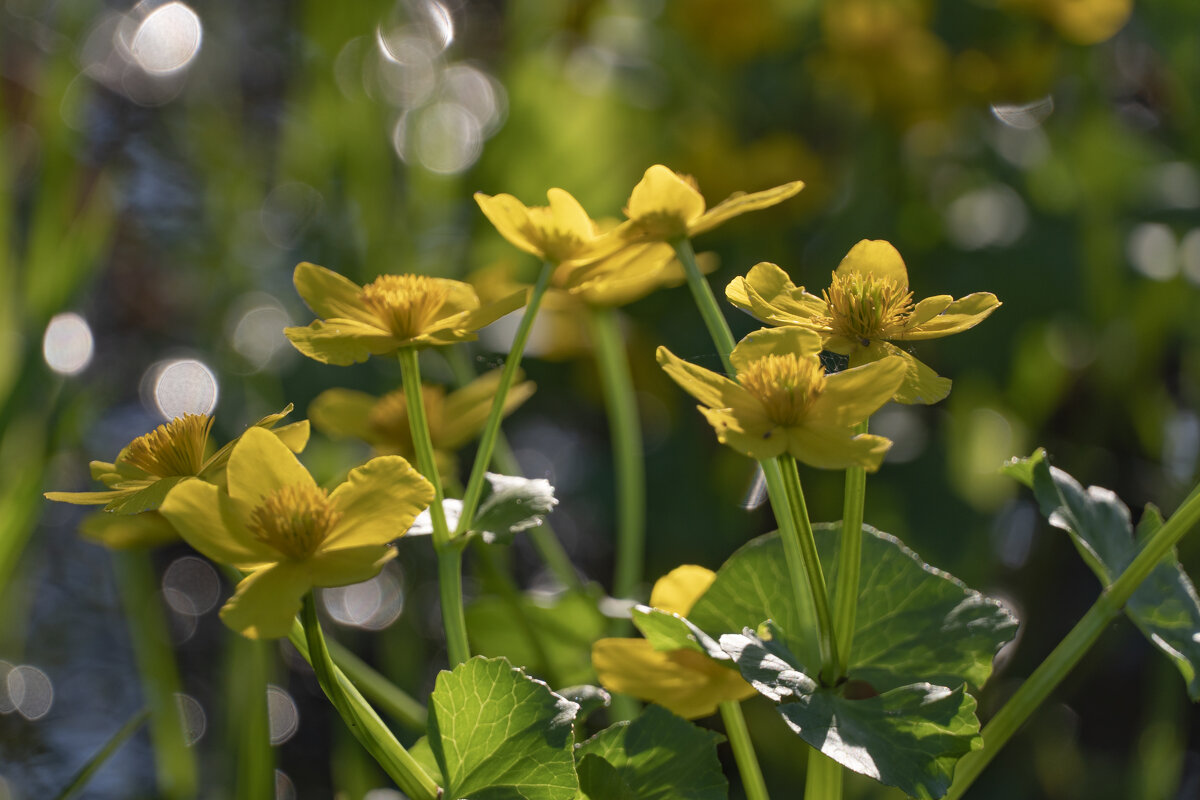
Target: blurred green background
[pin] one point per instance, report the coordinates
(164, 167)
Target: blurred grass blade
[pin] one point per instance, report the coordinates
(97, 761)
(248, 727)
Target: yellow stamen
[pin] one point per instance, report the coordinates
(865, 307)
(785, 384)
(406, 304)
(172, 449)
(557, 243)
(294, 520)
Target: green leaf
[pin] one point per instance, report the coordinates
(914, 623)
(909, 737)
(656, 756)
(514, 504)
(1165, 607)
(498, 734)
(589, 699)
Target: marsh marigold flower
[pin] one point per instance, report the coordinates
(559, 232)
(688, 683)
(867, 306)
(391, 312)
(148, 467)
(783, 402)
(454, 419)
(274, 522)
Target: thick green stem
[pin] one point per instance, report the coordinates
(824, 779)
(801, 538)
(487, 440)
(1070, 650)
(621, 401)
(706, 302)
(743, 750)
(449, 554)
(360, 718)
(392, 700)
(175, 762)
(95, 762)
(845, 593)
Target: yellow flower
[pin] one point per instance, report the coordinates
(867, 306)
(149, 466)
(628, 274)
(288, 533)
(783, 402)
(454, 419)
(127, 531)
(557, 233)
(391, 312)
(688, 683)
(666, 206)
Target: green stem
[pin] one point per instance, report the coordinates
(449, 553)
(544, 540)
(378, 689)
(95, 762)
(621, 402)
(487, 440)
(845, 599)
(706, 302)
(359, 717)
(743, 750)
(800, 538)
(175, 763)
(248, 728)
(1070, 650)
(824, 778)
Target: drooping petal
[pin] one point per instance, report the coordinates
(750, 434)
(663, 193)
(348, 565)
(855, 394)
(85, 498)
(801, 342)
(875, 257)
(260, 465)
(343, 413)
(341, 341)
(711, 389)
(378, 502)
(921, 385)
(740, 203)
(836, 448)
(267, 600)
(678, 590)
(688, 683)
(959, 316)
(329, 294)
(215, 524)
(510, 217)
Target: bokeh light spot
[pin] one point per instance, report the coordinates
(191, 586)
(284, 788)
(167, 40)
(68, 345)
(192, 717)
(373, 604)
(1024, 116)
(183, 387)
(447, 138)
(1151, 250)
(30, 691)
(283, 718)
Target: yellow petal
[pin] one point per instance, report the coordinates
(460, 296)
(329, 294)
(793, 339)
(678, 590)
(853, 395)
(661, 193)
(836, 448)
(85, 498)
(569, 216)
(921, 384)
(768, 294)
(124, 531)
(510, 217)
(261, 464)
(740, 203)
(348, 565)
(753, 436)
(626, 275)
(685, 682)
(267, 600)
(875, 257)
(215, 524)
(711, 389)
(927, 309)
(958, 316)
(341, 341)
(486, 315)
(342, 413)
(378, 501)
(294, 435)
(467, 409)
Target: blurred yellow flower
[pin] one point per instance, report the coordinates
(391, 312)
(149, 466)
(1081, 21)
(628, 274)
(288, 533)
(559, 232)
(783, 402)
(867, 306)
(127, 531)
(686, 682)
(454, 419)
(666, 206)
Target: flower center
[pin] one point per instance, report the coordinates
(865, 307)
(173, 448)
(558, 243)
(294, 520)
(406, 304)
(785, 384)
